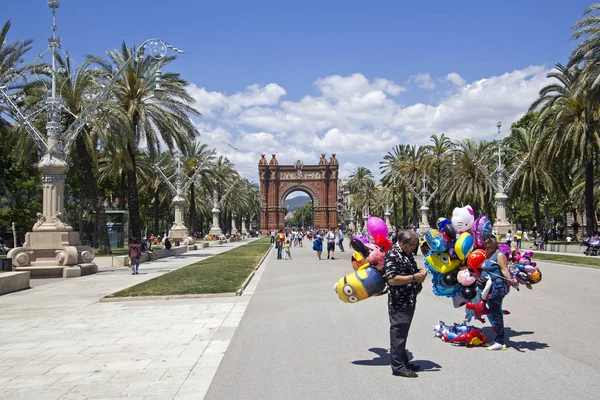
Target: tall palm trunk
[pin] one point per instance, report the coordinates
(192, 209)
(135, 224)
(156, 210)
(123, 189)
(85, 162)
(536, 207)
(415, 217)
(590, 214)
(404, 210)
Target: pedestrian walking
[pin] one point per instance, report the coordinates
(330, 244)
(279, 240)
(318, 244)
(518, 237)
(340, 238)
(287, 255)
(135, 251)
(508, 238)
(404, 281)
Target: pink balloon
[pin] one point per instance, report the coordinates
(376, 226)
(529, 268)
(376, 255)
(465, 278)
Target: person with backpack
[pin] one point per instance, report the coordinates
(318, 244)
(135, 251)
(279, 240)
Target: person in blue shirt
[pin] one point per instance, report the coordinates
(340, 238)
(496, 268)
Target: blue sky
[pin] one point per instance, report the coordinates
(301, 78)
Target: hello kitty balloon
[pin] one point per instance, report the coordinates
(463, 218)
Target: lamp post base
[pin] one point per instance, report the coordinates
(57, 254)
(216, 231)
(180, 236)
(501, 228)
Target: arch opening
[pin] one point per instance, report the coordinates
(298, 208)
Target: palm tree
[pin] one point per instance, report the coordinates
(361, 186)
(435, 159)
(225, 177)
(75, 86)
(535, 177)
(465, 183)
(197, 156)
(149, 119)
(11, 58)
(153, 185)
(390, 166)
(569, 117)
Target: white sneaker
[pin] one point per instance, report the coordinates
(497, 347)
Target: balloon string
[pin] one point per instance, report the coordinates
(499, 276)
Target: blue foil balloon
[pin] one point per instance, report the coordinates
(443, 290)
(435, 240)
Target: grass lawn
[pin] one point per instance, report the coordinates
(584, 261)
(223, 273)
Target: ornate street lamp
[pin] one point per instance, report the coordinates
(52, 245)
(179, 233)
(497, 180)
(424, 197)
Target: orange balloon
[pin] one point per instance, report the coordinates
(476, 259)
(536, 276)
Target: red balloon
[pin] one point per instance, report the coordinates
(476, 260)
(383, 242)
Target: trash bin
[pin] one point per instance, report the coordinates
(6, 264)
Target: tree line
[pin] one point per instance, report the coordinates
(556, 144)
(113, 158)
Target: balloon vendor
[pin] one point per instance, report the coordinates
(496, 268)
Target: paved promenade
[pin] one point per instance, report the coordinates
(297, 340)
(57, 341)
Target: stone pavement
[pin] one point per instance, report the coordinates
(57, 341)
(297, 340)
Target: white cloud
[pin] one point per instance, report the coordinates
(455, 78)
(208, 103)
(357, 118)
(424, 81)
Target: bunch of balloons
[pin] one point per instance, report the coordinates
(456, 257)
(459, 334)
(456, 254)
(525, 271)
(367, 261)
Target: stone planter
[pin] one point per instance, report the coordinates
(14, 281)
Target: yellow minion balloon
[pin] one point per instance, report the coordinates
(359, 285)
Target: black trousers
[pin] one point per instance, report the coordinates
(400, 320)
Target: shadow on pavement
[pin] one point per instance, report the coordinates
(383, 358)
(520, 346)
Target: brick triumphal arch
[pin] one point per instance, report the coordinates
(278, 181)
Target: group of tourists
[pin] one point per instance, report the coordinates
(332, 237)
(285, 239)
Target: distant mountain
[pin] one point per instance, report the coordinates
(296, 203)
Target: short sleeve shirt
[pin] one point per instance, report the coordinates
(397, 262)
